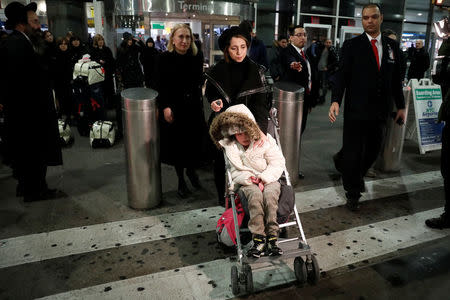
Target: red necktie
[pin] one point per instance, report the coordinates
(308, 88)
(375, 51)
(303, 54)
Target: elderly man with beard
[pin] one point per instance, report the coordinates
(30, 116)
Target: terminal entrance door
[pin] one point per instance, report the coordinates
(318, 32)
(211, 31)
(349, 32)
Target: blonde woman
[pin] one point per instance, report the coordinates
(103, 55)
(179, 77)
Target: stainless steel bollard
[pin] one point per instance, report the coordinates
(141, 140)
(288, 100)
(391, 154)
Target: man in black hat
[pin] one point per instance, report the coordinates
(30, 116)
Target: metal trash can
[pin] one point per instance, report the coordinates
(141, 140)
(288, 100)
(391, 153)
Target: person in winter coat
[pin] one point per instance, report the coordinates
(77, 49)
(182, 122)
(441, 77)
(63, 77)
(256, 168)
(420, 61)
(103, 55)
(30, 117)
(236, 79)
(276, 69)
(129, 60)
(150, 56)
(326, 66)
(256, 50)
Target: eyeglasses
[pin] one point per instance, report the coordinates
(300, 34)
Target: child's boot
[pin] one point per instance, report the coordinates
(259, 245)
(272, 246)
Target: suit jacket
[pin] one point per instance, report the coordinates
(368, 91)
(290, 55)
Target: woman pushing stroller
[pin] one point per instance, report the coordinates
(255, 165)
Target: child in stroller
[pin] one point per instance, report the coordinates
(256, 164)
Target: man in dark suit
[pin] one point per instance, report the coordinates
(369, 75)
(30, 116)
(297, 69)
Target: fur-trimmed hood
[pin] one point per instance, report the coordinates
(235, 119)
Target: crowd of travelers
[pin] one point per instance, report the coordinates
(174, 68)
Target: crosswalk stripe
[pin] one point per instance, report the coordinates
(211, 280)
(60, 243)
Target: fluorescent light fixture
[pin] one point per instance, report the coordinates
(419, 14)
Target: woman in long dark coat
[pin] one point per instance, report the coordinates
(150, 56)
(236, 79)
(129, 60)
(182, 120)
(103, 55)
(77, 49)
(63, 76)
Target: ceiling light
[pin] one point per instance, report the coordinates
(419, 14)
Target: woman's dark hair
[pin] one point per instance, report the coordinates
(225, 52)
(61, 40)
(282, 37)
(388, 32)
(74, 38)
(3, 34)
(149, 40)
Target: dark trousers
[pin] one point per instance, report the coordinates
(361, 145)
(219, 175)
(445, 164)
(31, 177)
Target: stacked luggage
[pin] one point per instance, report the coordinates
(88, 77)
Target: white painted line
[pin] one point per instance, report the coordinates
(334, 196)
(60, 243)
(197, 282)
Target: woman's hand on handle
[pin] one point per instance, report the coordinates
(217, 105)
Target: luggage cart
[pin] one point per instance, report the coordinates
(306, 267)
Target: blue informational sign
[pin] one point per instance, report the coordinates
(427, 101)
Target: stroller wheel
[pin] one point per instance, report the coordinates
(247, 270)
(234, 280)
(313, 271)
(300, 270)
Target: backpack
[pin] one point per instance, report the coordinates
(225, 225)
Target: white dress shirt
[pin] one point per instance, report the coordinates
(379, 46)
(307, 63)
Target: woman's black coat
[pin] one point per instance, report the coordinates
(150, 56)
(105, 54)
(63, 76)
(253, 92)
(129, 59)
(179, 87)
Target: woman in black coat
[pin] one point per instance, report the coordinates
(182, 123)
(150, 56)
(129, 60)
(63, 77)
(77, 50)
(103, 55)
(236, 79)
